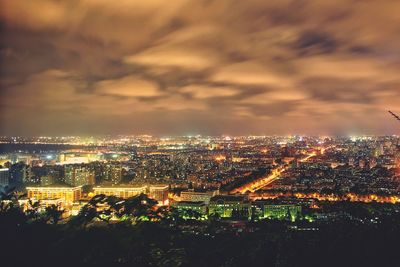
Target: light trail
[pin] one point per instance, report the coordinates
(260, 183)
(313, 154)
(270, 178)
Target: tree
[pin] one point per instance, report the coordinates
(105, 208)
(32, 210)
(167, 215)
(84, 217)
(54, 213)
(11, 215)
(9, 193)
(140, 208)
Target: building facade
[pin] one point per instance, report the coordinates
(230, 206)
(192, 195)
(119, 191)
(159, 193)
(4, 176)
(197, 206)
(113, 173)
(77, 175)
(68, 194)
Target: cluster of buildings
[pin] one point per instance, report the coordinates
(68, 194)
(203, 203)
(241, 207)
(198, 173)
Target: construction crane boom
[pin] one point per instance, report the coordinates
(394, 115)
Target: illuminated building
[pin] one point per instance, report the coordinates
(113, 173)
(198, 206)
(16, 158)
(282, 211)
(78, 158)
(159, 193)
(4, 176)
(77, 175)
(230, 206)
(4, 159)
(61, 158)
(68, 194)
(286, 209)
(215, 146)
(18, 173)
(191, 195)
(119, 191)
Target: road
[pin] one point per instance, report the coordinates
(270, 178)
(260, 183)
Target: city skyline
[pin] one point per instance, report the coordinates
(200, 133)
(199, 67)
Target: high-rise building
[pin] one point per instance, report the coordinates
(113, 173)
(77, 175)
(4, 176)
(18, 174)
(159, 193)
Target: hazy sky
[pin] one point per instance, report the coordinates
(201, 66)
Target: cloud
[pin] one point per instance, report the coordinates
(207, 66)
(249, 73)
(272, 96)
(313, 42)
(203, 92)
(172, 57)
(128, 86)
(178, 103)
(346, 67)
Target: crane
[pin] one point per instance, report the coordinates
(394, 115)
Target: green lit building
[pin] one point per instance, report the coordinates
(197, 206)
(235, 207)
(281, 212)
(276, 210)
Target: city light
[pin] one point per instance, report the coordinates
(200, 133)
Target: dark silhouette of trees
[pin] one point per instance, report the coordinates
(111, 231)
(53, 213)
(134, 210)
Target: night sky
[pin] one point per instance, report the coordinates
(199, 67)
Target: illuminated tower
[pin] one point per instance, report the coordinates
(77, 175)
(18, 174)
(4, 176)
(113, 173)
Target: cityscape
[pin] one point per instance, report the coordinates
(302, 183)
(218, 133)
